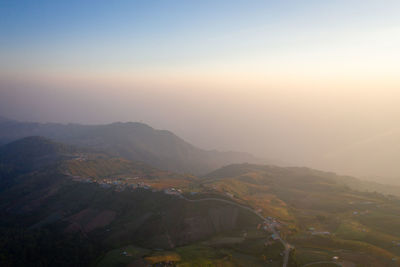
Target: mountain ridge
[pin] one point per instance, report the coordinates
(108, 203)
(132, 140)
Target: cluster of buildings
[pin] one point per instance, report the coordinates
(271, 224)
(361, 203)
(81, 157)
(120, 184)
(173, 191)
(320, 233)
(229, 194)
(396, 243)
(81, 179)
(314, 232)
(360, 212)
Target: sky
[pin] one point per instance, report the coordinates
(312, 83)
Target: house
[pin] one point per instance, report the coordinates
(321, 233)
(274, 237)
(171, 191)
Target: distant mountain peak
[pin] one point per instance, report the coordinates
(131, 140)
(130, 123)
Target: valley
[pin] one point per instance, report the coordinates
(205, 133)
(121, 212)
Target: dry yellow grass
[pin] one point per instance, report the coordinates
(163, 257)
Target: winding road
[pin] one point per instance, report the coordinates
(285, 244)
(322, 262)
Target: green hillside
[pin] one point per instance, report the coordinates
(48, 209)
(320, 214)
(118, 212)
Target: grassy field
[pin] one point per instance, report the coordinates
(223, 250)
(118, 258)
(363, 227)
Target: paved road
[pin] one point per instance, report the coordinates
(321, 262)
(285, 244)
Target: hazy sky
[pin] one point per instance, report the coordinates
(308, 82)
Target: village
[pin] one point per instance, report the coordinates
(270, 224)
(121, 184)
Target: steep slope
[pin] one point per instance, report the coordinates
(295, 174)
(50, 217)
(31, 154)
(38, 154)
(107, 206)
(134, 141)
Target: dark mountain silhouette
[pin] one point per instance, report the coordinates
(134, 141)
(48, 216)
(31, 154)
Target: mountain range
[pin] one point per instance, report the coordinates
(134, 141)
(86, 202)
(62, 205)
